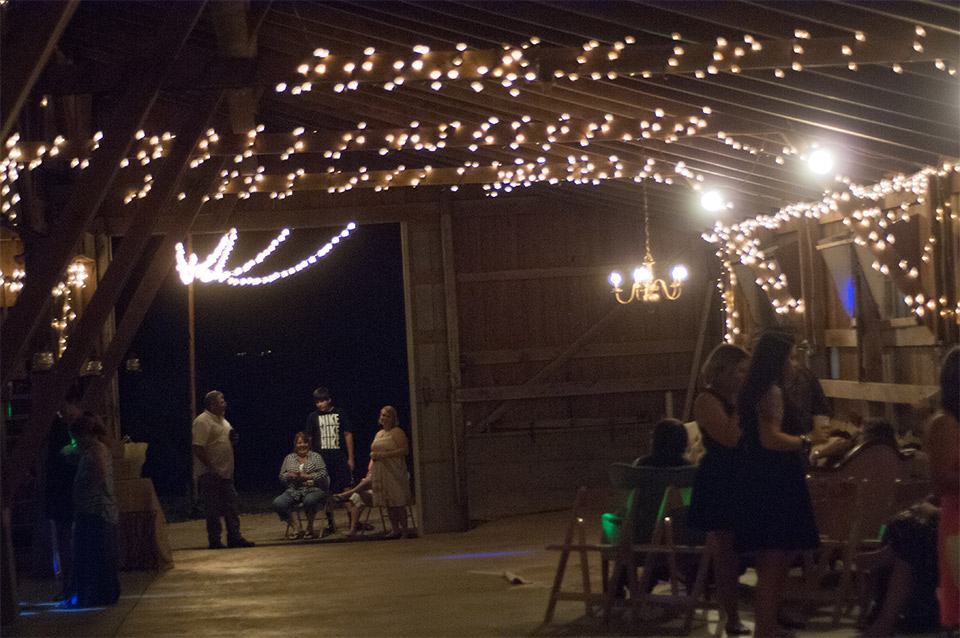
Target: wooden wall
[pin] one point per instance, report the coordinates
(558, 380)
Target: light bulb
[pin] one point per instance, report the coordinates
(642, 274)
(820, 161)
(679, 273)
(615, 279)
(712, 201)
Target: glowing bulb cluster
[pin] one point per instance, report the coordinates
(863, 214)
(213, 268)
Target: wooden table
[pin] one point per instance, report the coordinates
(142, 540)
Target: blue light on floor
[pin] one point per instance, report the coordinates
(483, 555)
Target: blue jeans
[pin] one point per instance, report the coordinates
(312, 501)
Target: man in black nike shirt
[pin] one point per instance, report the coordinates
(332, 437)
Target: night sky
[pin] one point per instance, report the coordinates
(339, 323)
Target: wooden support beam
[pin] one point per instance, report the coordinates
(600, 62)
(453, 350)
(586, 351)
(543, 373)
(91, 189)
(160, 263)
(878, 392)
(31, 36)
(697, 353)
(571, 389)
(647, 61)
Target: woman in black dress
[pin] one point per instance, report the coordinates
(775, 517)
(712, 505)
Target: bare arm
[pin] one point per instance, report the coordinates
(201, 453)
(710, 416)
(348, 438)
(770, 418)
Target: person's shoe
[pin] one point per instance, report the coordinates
(367, 527)
(216, 545)
(240, 542)
(738, 629)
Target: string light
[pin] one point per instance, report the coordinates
(865, 218)
(63, 294)
(212, 269)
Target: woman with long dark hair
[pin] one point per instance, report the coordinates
(775, 517)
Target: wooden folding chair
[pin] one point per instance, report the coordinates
(574, 541)
(290, 532)
(663, 548)
(838, 507)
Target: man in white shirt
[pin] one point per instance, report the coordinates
(213, 440)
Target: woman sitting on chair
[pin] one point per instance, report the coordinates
(305, 476)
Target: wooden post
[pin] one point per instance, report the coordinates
(453, 349)
(697, 354)
(192, 331)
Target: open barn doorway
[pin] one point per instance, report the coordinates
(339, 323)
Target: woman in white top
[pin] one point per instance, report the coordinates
(390, 479)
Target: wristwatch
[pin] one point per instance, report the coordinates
(806, 443)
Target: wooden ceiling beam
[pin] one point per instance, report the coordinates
(270, 69)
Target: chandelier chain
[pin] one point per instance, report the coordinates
(646, 223)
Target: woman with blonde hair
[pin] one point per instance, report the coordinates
(711, 507)
(389, 476)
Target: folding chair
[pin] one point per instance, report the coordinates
(412, 529)
(663, 548)
(290, 533)
(574, 541)
(838, 507)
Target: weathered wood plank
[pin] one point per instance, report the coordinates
(587, 351)
(572, 388)
(878, 392)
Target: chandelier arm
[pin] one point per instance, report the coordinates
(672, 291)
(618, 290)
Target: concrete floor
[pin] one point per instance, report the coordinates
(438, 585)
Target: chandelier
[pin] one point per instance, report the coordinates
(646, 286)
